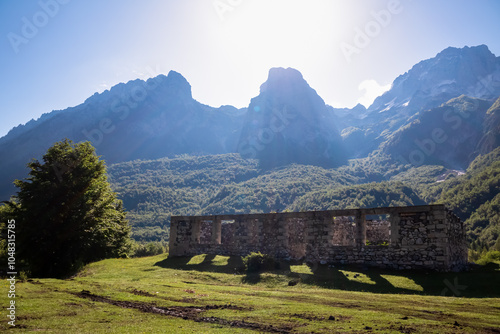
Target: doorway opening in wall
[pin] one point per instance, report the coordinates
(206, 232)
(378, 230)
(343, 231)
(227, 232)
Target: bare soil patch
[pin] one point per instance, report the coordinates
(186, 312)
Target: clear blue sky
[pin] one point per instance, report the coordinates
(55, 56)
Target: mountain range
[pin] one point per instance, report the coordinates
(445, 112)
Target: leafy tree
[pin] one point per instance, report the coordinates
(66, 213)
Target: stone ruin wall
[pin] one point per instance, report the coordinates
(418, 237)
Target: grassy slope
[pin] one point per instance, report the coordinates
(386, 302)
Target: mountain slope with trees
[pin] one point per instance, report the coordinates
(448, 135)
(371, 195)
(475, 198)
(193, 185)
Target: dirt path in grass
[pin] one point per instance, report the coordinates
(186, 312)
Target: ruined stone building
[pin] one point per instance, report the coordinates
(415, 237)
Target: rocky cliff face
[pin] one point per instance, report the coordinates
(288, 122)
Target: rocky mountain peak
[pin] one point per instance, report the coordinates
(289, 122)
(286, 83)
(279, 77)
(177, 84)
(477, 60)
(469, 52)
(473, 71)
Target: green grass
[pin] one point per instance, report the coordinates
(359, 299)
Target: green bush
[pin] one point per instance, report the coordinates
(256, 262)
(491, 256)
(149, 249)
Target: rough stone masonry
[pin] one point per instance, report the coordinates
(414, 237)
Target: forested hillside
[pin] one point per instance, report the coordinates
(153, 190)
(368, 195)
(475, 198)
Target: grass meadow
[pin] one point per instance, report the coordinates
(211, 294)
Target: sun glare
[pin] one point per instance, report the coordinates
(283, 33)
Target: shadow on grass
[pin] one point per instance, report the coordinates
(251, 278)
(481, 282)
(234, 264)
(281, 268)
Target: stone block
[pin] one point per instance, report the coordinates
(437, 215)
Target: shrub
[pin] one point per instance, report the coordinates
(491, 256)
(149, 249)
(23, 276)
(256, 262)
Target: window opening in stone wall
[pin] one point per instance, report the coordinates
(343, 231)
(378, 230)
(206, 232)
(227, 232)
